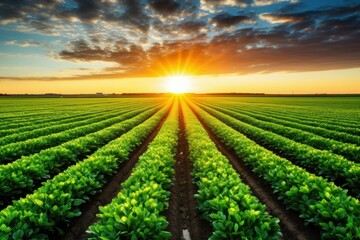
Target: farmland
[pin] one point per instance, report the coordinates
(174, 166)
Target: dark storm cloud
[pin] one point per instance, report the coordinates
(88, 10)
(225, 20)
(135, 15)
(165, 7)
(191, 27)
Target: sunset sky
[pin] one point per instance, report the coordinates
(270, 46)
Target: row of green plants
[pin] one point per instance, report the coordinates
(24, 121)
(321, 162)
(60, 127)
(19, 119)
(18, 132)
(57, 114)
(136, 212)
(318, 119)
(223, 199)
(349, 151)
(22, 176)
(317, 109)
(274, 115)
(293, 122)
(58, 200)
(13, 151)
(41, 121)
(317, 200)
(29, 108)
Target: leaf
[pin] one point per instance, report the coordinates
(165, 235)
(325, 214)
(39, 202)
(5, 228)
(236, 227)
(258, 230)
(78, 202)
(18, 234)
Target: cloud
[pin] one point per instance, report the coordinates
(43, 27)
(281, 18)
(80, 50)
(226, 20)
(26, 43)
(208, 4)
(12, 11)
(152, 37)
(260, 3)
(164, 7)
(135, 15)
(13, 42)
(192, 27)
(88, 10)
(128, 57)
(296, 45)
(331, 14)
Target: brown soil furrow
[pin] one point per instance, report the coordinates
(292, 226)
(185, 221)
(77, 228)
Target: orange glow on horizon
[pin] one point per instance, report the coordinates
(334, 81)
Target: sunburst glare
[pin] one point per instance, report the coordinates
(178, 84)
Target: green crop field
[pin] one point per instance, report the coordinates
(170, 166)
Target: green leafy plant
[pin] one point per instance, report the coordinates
(223, 199)
(349, 151)
(317, 200)
(136, 211)
(324, 163)
(58, 199)
(20, 175)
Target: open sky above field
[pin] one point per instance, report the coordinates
(271, 46)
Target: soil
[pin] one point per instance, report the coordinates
(185, 220)
(292, 226)
(78, 226)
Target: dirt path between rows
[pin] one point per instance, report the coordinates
(78, 226)
(185, 220)
(292, 226)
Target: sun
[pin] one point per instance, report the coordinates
(178, 84)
